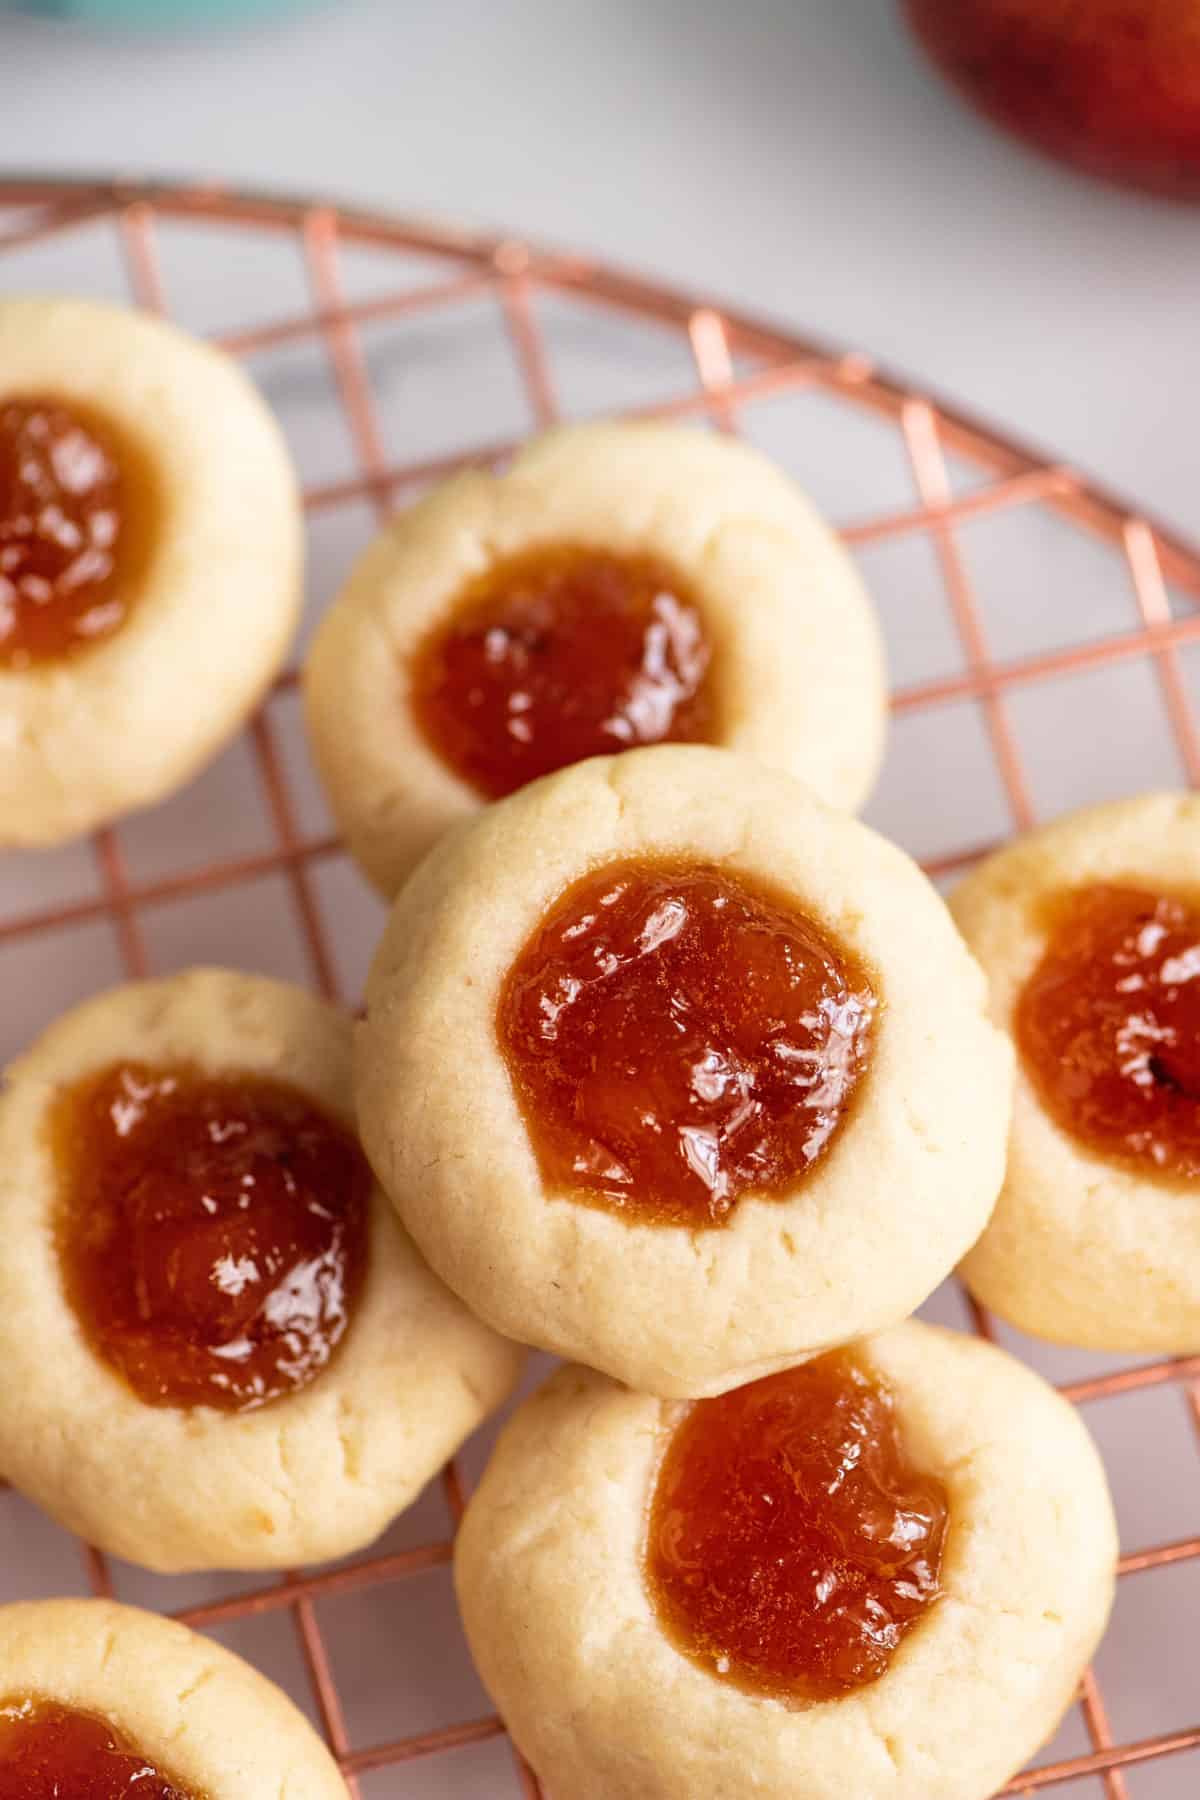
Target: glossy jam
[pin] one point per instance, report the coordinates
(791, 1542)
(1109, 1026)
(558, 655)
(678, 1037)
(211, 1233)
(77, 516)
(53, 1752)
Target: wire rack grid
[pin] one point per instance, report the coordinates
(962, 479)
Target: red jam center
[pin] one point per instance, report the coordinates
(212, 1231)
(53, 1752)
(1109, 1026)
(792, 1543)
(678, 1037)
(76, 514)
(558, 655)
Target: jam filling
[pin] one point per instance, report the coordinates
(1109, 1026)
(212, 1231)
(791, 1542)
(559, 654)
(77, 509)
(678, 1037)
(53, 1752)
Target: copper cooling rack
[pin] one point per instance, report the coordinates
(383, 308)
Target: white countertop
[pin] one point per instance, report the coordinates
(794, 156)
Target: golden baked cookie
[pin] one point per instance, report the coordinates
(221, 1349)
(622, 584)
(813, 1661)
(150, 561)
(1089, 934)
(144, 1707)
(673, 1070)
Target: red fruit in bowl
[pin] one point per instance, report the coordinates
(1110, 85)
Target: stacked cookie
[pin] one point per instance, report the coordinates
(668, 1066)
(221, 1347)
(675, 1070)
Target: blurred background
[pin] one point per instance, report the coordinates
(797, 157)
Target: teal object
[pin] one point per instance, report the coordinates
(161, 14)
